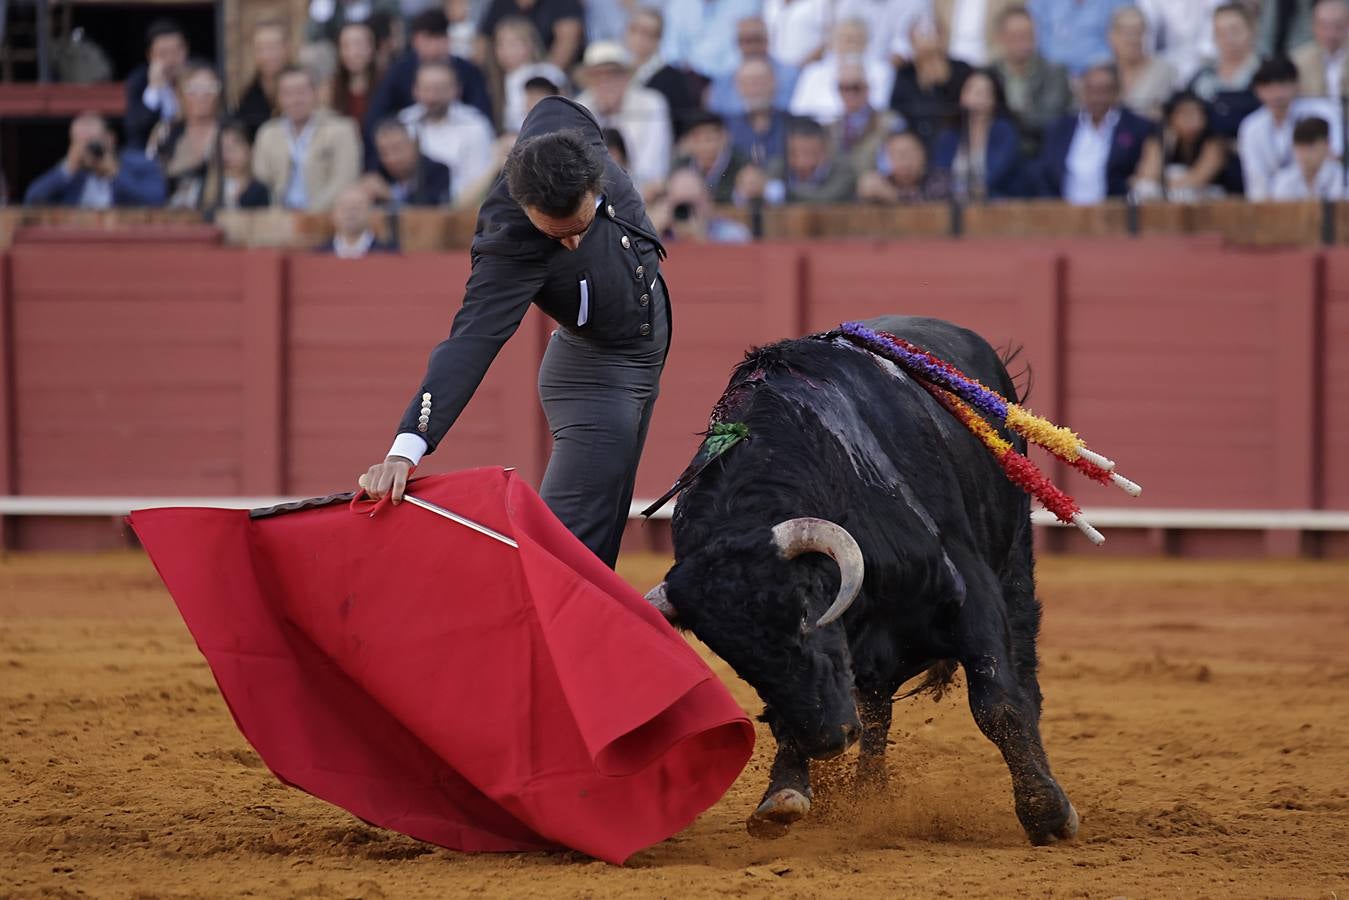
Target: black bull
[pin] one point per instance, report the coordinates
(836, 434)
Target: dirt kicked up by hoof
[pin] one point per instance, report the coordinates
(775, 815)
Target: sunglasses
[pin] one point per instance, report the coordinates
(852, 86)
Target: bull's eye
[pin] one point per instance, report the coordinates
(805, 621)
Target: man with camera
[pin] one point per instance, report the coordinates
(685, 213)
(94, 176)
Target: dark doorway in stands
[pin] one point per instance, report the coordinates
(120, 30)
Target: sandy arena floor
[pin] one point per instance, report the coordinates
(1197, 714)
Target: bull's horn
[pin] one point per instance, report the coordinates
(806, 535)
(657, 598)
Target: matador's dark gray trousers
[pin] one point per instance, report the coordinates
(598, 399)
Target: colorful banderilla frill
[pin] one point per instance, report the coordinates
(973, 404)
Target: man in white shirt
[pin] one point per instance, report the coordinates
(1315, 174)
(972, 25)
(797, 29)
(817, 95)
(1181, 33)
(640, 114)
(1321, 63)
(448, 131)
(889, 23)
(352, 236)
(1265, 139)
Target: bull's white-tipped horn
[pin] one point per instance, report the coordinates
(807, 535)
(657, 598)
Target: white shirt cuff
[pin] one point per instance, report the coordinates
(409, 446)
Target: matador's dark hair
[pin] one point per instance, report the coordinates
(552, 172)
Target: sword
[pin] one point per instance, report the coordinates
(466, 522)
(455, 517)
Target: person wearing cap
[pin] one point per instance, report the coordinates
(640, 114)
(564, 229)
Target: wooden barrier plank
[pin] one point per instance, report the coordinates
(263, 333)
(1334, 393)
(9, 424)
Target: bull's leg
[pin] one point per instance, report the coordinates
(787, 799)
(1007, 711)
(875, 710)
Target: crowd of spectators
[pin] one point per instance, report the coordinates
(386, 104)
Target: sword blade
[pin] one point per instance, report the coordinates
(455, 517)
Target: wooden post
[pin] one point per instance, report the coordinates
(8, 426)
(262, 469)
(1297, 364)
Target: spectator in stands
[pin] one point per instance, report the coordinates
(642, 40)
(685, 214)
(699, 34)
(1181, 33)
(927, 90)
(95, 176)
(234, 186)
(1037, 90)
(1146, 81)
(462, 15)
(907, 179)
(759, 133)
(152, 89)
(1321, 63)
(448, 131)
(797, 29)
(639, 113)
(352, 236)
(817, 93)
(517, 56)
(560, 24)
(405, 176)
(186, 150)
(972, 27)
(1225, 83)
(617, 147)
(857, 132)
(982, 155)
(1073, 33)
(389, 37)
(1284, 25)
(430, 43)
(888, 24)
(536, 89)
(328, 17)
(306, 155)
(810, 173)
(751, 38)
(607, 20)
(1315, 174)
(1094, 154)
(271, 53)
(1265, 139)
(471, 196)
(706, 149)
(1187, 160)
(357, 71)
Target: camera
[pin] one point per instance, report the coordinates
(96, 149)
(682, 212)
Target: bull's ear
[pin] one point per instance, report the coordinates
(657, 597)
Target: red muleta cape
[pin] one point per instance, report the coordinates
(437, 682)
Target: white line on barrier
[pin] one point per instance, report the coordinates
(1102, 517)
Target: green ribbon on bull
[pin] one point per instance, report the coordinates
(720, 438)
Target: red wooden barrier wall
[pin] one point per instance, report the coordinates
(1218, 378)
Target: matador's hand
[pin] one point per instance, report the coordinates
(387, 478)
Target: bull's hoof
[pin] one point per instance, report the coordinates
(775, 815)
(1065, 832)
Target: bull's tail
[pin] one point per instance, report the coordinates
(937, 680)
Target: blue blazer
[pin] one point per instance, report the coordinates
(1126, 148)
(138, 183)
(394, 93)
(1003, 157)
